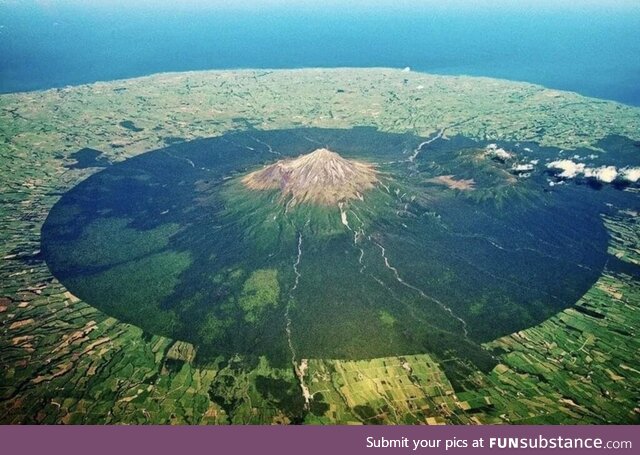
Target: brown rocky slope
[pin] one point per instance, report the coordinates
(321, 177)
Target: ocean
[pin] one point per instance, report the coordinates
(593, 52)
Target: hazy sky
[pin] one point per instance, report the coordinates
(336, 4)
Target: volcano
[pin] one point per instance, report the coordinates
(319, 253)
(322, 177)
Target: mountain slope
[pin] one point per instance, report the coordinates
(322, 177)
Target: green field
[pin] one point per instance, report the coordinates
(569, 355)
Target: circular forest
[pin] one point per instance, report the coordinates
(331, 243)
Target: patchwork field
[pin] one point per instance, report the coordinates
(67, 360)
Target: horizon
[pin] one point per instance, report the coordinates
(335, 5)
(583, 47)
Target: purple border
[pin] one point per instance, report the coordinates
(307, 440)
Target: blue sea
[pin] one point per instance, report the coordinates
(595, 52)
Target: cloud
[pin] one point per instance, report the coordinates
(606, 174)
(568, 167)
(522, 167)
(630, 174)
(498, 152)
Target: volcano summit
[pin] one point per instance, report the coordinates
(322, 177)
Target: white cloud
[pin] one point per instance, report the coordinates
(498, 152)
(522, 167)
(630, 174)
(606, 174)
(568, 167)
